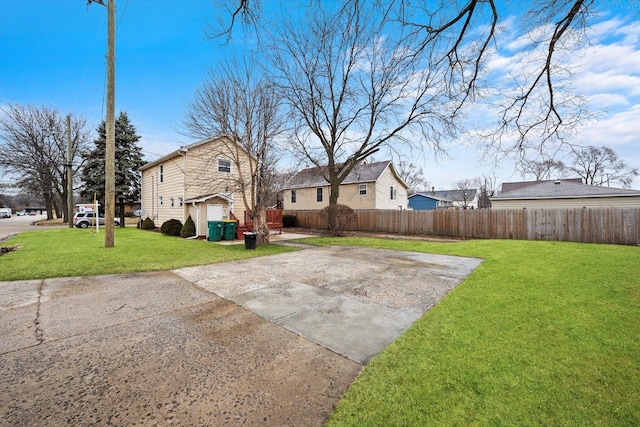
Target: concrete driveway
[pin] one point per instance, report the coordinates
(267, 341)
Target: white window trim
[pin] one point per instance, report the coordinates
(321, 194)
(222, 159)
(394, 193)
(294, 196)
(160, 200)
(160, 173)
(362, 187)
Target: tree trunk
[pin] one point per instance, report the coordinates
(63, 202)
(48, 203)
(334, 192)
(260, 225)
(121, 208)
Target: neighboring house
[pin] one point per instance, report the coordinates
(368, 186)
(201, 180)
(427, 202)
(511, 186)
(566, 194)
(444, 199)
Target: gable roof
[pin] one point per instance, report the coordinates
(511, 186)
(564, 189)
(430, 196)
(199, 199)
(449, 195)
(361, 173)
(183, 149)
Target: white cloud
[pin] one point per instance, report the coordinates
(608, 82)
(620, 130)
(607, 100)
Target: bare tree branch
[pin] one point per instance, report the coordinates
(353, 89)
(237, 103)
(601, 166)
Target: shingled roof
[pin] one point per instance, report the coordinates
(564, 189)
(511, 186)
(361, 173)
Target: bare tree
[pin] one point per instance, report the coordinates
(543, 170)
(352, 88)
(234, 101)
(601, 166)
(413, 176)
(33, 147)
(488, 187)
(465, 190)
(460, 37)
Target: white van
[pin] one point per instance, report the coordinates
(5, 212)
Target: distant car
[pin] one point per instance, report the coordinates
(22, 213)
(32, 213)
(87, 219)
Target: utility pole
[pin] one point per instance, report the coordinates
(110, 174)
(69, 166)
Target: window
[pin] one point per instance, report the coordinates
(160, 174)
(293, 196)
(171, 202)
(160, 200)
(224, 165)
(319, 194)
(179, 202)
(393, 193)
(362, 189)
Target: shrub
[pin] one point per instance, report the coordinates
(338, 218)
(148, 224)
(188, 229)
(171, 227)
(289, 220)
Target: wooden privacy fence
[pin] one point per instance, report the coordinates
(587, 225)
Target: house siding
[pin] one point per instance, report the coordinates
(383, 192)
(190, 174)
(306, 199)
(422, 203)
(568, 203)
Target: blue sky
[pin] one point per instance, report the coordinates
(52, 52)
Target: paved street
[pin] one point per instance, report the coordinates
(18, 224)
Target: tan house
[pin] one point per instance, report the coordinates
(565, 194)
(368, 186)
(202, 180)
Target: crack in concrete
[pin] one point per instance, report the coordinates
(38, 329)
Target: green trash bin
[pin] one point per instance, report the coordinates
(229, 229)
(215, 231)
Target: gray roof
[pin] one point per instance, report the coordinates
(430, 196)
(564, 189)
(449, 195)
(313, 177)
(511, 186)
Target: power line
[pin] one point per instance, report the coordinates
(122, 16)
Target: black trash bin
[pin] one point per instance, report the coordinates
(250, 240)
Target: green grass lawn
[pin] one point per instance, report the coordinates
(63, 252)
(542, 333)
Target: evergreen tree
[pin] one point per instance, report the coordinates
(128, 159)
